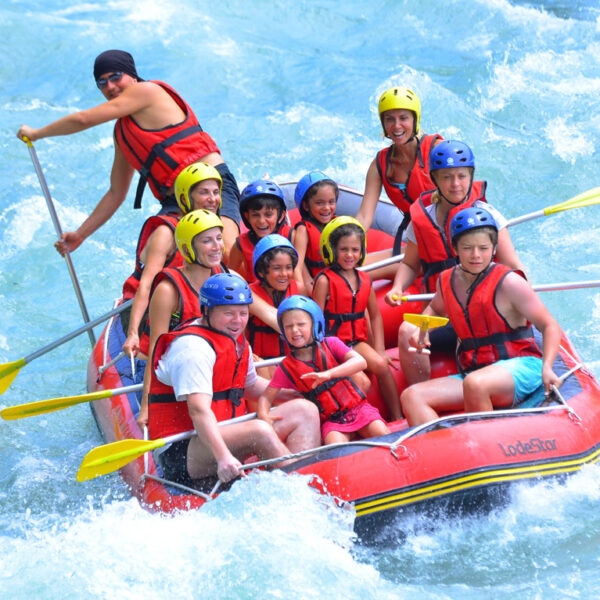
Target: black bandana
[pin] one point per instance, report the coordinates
(113, 61)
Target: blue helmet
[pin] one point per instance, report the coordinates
(222, 289)
(307, 305)
(269, 242)
(305, 184)
(260, 187)
(470, 219)
(450, 154)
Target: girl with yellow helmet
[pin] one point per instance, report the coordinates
(197, 186)
(402, 168)
(348, 301)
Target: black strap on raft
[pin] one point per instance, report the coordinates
(397, 248)
(159, 150)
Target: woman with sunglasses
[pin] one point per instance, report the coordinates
(156, 133)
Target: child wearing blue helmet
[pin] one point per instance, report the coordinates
(321, 369)
(316, 198)
(428, 248)
(263, 211)
(491, 308)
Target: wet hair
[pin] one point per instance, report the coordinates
(316, 187)
(491, 231)
(342, 231)
(262, 264)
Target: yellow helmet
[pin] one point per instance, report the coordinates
(189, 227)
(188, 178)
(328, 249)
(400, 97)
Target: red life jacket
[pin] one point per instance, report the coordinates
(313, 259)
(159, 155)
(484, 336)
(345, 308)
(333, 398)
(418, 180)
(265, 341)
(188, 303)
(167, 416)
(148, 228)
(246, 244)
(433, 242)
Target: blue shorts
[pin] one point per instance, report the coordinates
(526, 372)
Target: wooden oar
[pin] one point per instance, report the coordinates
(424, 323)
(57, 227)
(42, 407)
(111, 457)
(543, 287)
(8, 371)
(588, 198)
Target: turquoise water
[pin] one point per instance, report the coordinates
(285, 87)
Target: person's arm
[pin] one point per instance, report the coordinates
(376, 324)
(236, 261)
(371, 196)
(300, 241)
(264, 311)
(435, 308)
(526, 302)
(320, 291)
(162, 304)
(265, 402)
(131, 100)
(207, 428)
(353, 363)
(231, 231)
(405, 274)
(158, 249)
(120, 180)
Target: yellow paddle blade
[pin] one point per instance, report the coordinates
(45, 406)
(584, 199)
(425, 322)
(111, 457)
(8, 371)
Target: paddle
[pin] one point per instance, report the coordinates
(588, 198)
(111, 457)
(8, 371)
(424, 323)
(54, 216)
(42, 407)
(544, 287)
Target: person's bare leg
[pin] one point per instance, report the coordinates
(423, 401)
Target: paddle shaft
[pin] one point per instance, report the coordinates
(588, 198)
(544, 287)
(57, 227)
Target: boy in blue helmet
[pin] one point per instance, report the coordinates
(203, 373)
(322, 370)
(263, 211)
(491, 308)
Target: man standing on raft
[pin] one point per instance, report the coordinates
(156, 133)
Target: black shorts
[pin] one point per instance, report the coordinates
(443, 339)
(173, 462)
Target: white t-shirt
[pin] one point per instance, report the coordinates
(188, 365)
(498, 217)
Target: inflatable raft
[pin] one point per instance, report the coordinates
(459, 462)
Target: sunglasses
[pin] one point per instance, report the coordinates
(114, 78)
